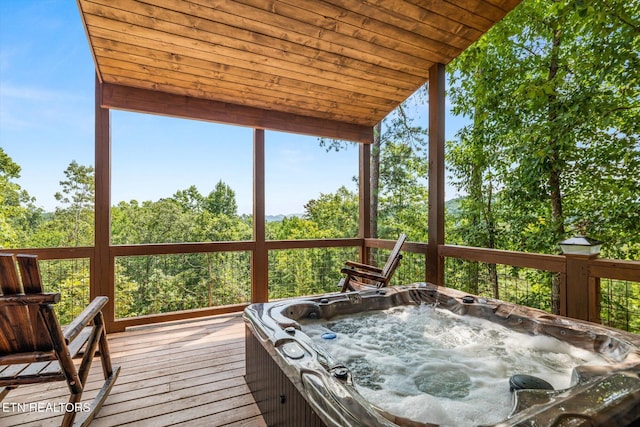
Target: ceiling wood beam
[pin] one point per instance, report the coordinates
(335, 61)
(152, 102)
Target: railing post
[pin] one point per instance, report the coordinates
(579, 296)
(259, 256)
(102, 265)
(435, 263)
(582, 296)
(364, 191)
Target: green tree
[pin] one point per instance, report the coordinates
(190, 199)
(164, 221)
(185, 281)
(396, 129)
(221, 201)
(18, 214)
(476, 221)
(336, 214)
(555, 91)
(75, 218)
(403, 194)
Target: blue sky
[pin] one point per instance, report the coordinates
(46, 121)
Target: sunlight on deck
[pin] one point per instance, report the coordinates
(183, 373)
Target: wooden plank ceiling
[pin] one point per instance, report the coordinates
(340, 61)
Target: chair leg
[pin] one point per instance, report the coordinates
(85, 418)
(69, 416)
(346, 286)
(98, 343)
(89, 354)
(4, 391)
(105, 355)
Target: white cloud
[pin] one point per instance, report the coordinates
(8, 121)
(32, 93)
(295, 160)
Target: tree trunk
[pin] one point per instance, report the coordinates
(475, 191)
(491, 244)
(557, 216)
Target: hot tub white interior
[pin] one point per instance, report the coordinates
(435, 366)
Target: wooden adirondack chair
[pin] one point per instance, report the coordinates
(35, 349)
(362, 276)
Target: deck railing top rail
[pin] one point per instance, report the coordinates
(554, 263)
(596, 268)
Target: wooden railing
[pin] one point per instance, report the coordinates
(114, 324)
(615, 269)
(580, 296)
(554, 263)
(579, 276)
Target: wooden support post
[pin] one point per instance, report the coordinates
(582, 292)
(364, 226)
(435, 263)
(102, 266)
(260, 256)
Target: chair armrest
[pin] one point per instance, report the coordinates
(364, 274)
(28, 299)
(363, 266)
(84, 318)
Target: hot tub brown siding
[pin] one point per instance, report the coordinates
(278, 399)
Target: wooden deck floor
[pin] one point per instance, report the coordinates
(187, 374)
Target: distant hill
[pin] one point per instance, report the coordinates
(280, 217)
(452, 206)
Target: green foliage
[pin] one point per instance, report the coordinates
(333, 215)
(18, 215)
(620, 304)
(294, 228)
(306, 272)
(552, 148)
(75, 217)
(403, 195)
(555, 122)
(157, 284)
(164, 221)
(221, 201)
(71, 279)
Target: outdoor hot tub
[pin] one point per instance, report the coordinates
(319, 361)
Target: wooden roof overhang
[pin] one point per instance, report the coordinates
(331, 68)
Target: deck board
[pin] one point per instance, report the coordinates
(188, 373)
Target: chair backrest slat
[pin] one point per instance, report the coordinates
(394, 256)
(30, 272)
(9, 280)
